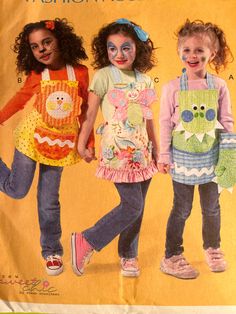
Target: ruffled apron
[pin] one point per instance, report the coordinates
(126, 152)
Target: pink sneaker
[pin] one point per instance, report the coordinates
(129, 267)
(54, 265)
(215, 259)
(81, 253)
(177, 266)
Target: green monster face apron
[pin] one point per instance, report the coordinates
(195, 141)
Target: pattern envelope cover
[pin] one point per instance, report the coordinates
(24, 285)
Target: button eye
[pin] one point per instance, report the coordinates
(202, 107)
(195, 107)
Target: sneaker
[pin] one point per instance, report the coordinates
(54, 265)
(177, 266)
(129, 267)
(215, 259)
(81, 253)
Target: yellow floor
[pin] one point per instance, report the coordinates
(22, 270)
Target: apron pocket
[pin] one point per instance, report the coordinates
(53, 145)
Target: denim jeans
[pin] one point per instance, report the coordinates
(124, 220)
(182, 206)
(16, 184)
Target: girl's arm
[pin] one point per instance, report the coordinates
(153, 138)
(87, 126)
(20, 99)
(225, 115)
(166, 111)
(83, 78)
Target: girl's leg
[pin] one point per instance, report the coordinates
(49, 210)
(209, 198)
(117, 220)
(182, 206)
(17, 181)
(128, 240)
(174, 263)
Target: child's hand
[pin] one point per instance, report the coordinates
(163, 168)
(88, 154)
(92, 153)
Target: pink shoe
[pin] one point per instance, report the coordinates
(178, 267)
(215, 259)
(54, 265)
(129, 267)
(81, 253)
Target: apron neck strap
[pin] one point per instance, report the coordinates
(184, 81)
(117, 75)
(70, 73)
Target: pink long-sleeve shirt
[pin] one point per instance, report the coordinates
(169, 111)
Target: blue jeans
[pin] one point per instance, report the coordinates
(182, 206)
(124, 220)
(16, 184)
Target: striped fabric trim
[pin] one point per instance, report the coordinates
(191, 180)
(194, 171)
(196, 160)
(228, 141)
(117, 76)
(184, 81)
(197, 168)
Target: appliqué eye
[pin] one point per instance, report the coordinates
(202, 107)
(195, 107)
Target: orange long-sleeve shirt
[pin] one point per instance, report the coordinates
(32, 86)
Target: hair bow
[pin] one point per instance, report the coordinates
(50, 24)
(142, 35)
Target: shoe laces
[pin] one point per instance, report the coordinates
(88, 253)
(52, 258)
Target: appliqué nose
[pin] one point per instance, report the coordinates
(59, 101)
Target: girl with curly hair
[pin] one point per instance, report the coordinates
(196, 139)
(123, 52)
(49, 53)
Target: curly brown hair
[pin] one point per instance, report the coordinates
(70, 45)
(144, 59)
(217, 37)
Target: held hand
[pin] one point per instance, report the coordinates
(88, 154)
(163, 168)
(92, 153)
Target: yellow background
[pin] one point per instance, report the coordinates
(85, 199)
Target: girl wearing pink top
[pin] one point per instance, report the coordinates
(195, 120)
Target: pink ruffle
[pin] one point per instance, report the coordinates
(128, 176)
